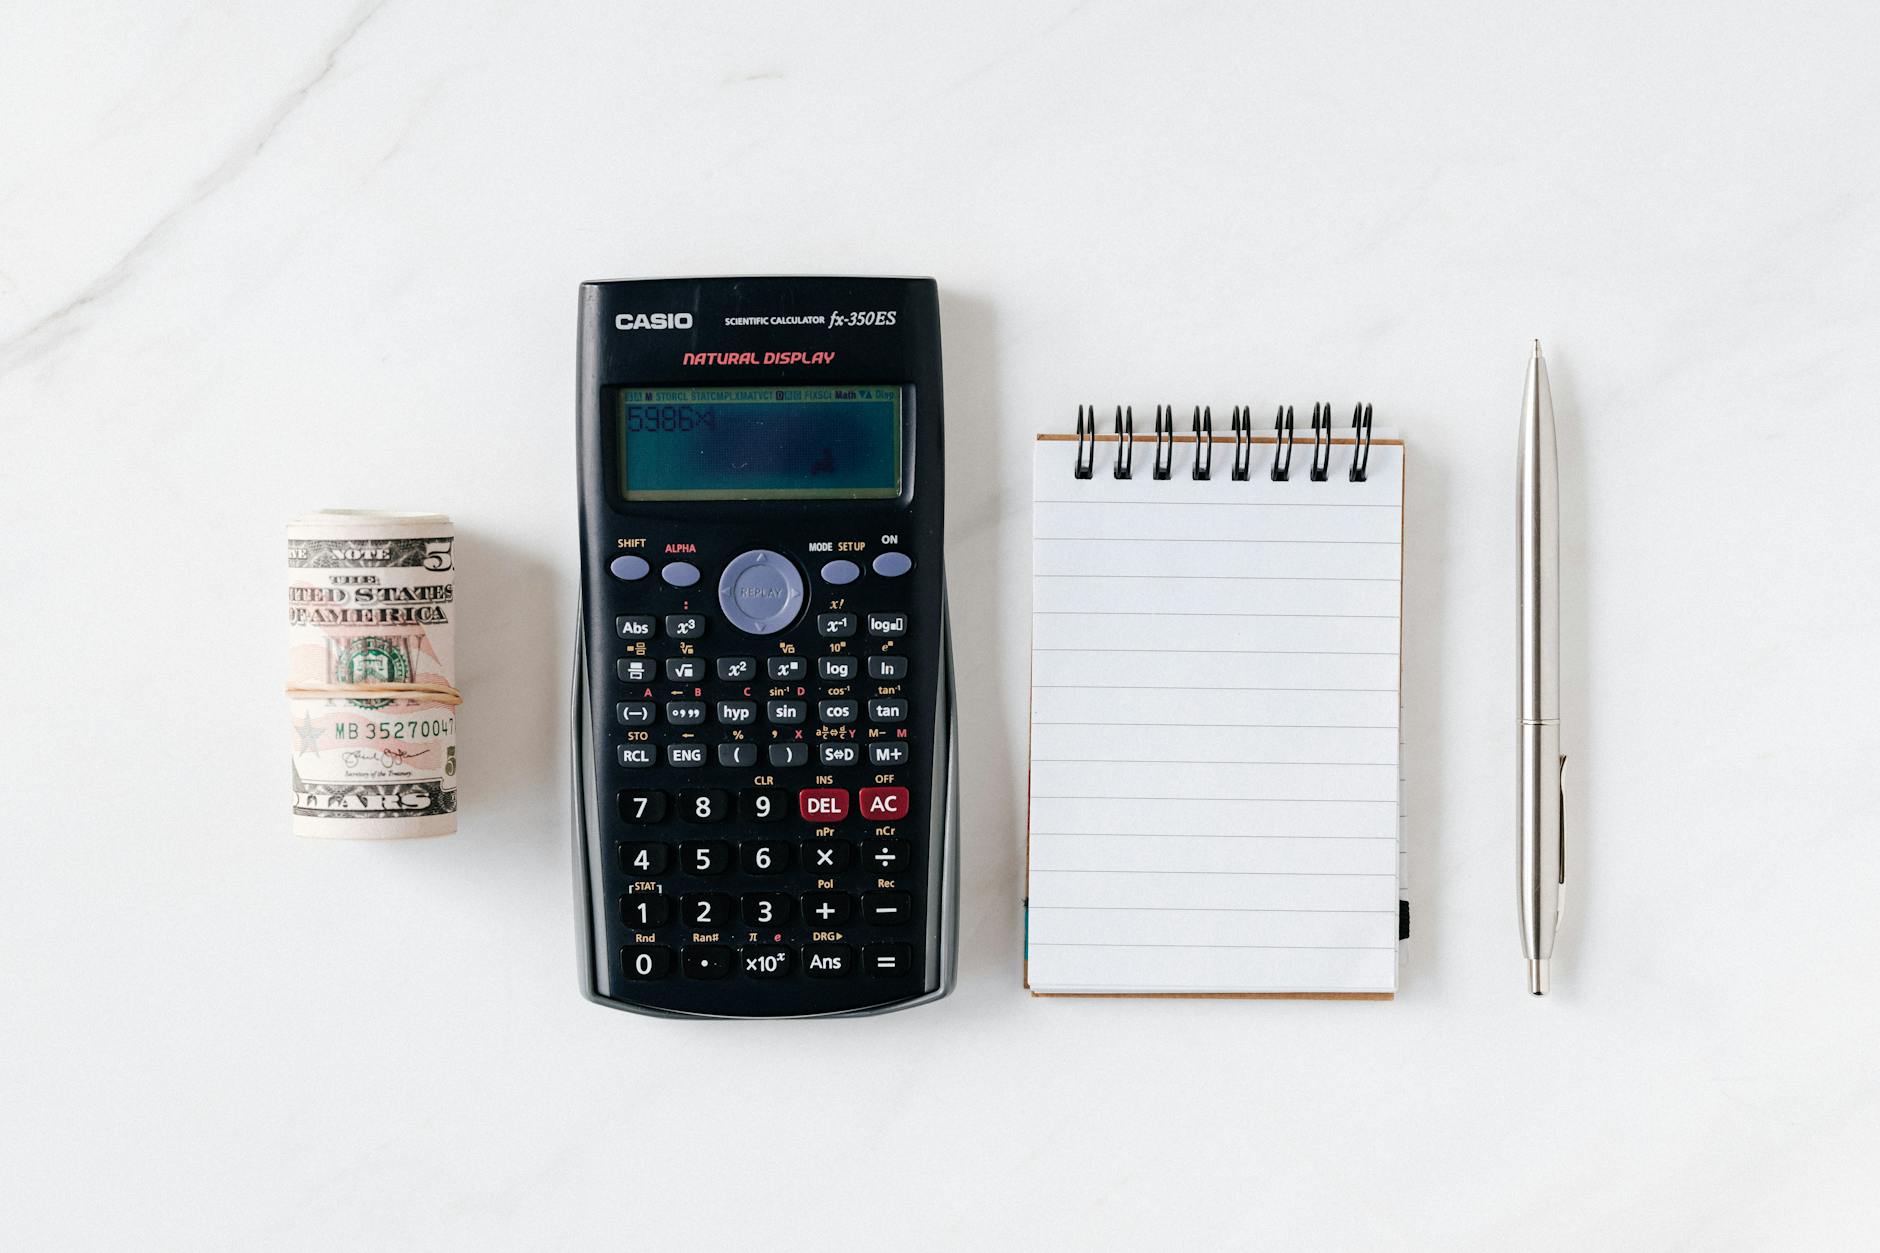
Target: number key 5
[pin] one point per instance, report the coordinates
(706, 857)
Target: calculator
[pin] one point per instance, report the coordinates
(763, 713)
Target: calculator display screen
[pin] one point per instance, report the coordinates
(759, 443)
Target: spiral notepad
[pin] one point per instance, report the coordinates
(1214, 710)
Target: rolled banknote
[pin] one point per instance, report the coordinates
(372, 674)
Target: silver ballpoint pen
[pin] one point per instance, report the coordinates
(1542, 819)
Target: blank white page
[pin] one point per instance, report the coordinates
(1214, 725)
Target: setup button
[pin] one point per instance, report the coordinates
(760, 591)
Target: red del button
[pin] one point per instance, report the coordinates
(884, 804)
(823, 804)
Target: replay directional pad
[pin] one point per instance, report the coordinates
(761, 592)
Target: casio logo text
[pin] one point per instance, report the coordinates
(652, 321)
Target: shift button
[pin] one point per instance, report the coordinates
(629, 567)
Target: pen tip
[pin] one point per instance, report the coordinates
(1537, 347)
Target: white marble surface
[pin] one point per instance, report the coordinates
(255, 259)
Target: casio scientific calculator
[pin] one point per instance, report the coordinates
(763, 732)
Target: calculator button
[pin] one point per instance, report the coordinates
(826, 857)
(763, 804)
(760, 591)
(887, 626)
(679, 573)
(882, 804)
(706, 857)
(887, 709)
(788, 754)
(840, 572)
(634, 626)
(765, 961)
(648, 861)
(635, 669)
(737, 669)
(642, 807)
(836, 712)
(764, 856)
(836, 669)
(827, 909)
(887, 669)
(892, 753)
(685, 626)
(706, 961)
(786, 669)
(786, 712)
(646, 909)
(892, 565)
(835, 626)
(635, 756)
(737, 713)
(843, 754)
(634, 713)
(885, 960)
(646, 961)
(887, 909)
(885, 857)
(685, 755)
(828, 961)
(685, 713)
(704, 804)
(628, 567)
(737, 754)
(823, 804)
(685, 669)
(765, 909)
(708, 909)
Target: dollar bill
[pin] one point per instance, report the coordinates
(370, 599)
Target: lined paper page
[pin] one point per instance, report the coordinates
(1214, 734)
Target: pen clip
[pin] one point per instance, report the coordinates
(1560, 897)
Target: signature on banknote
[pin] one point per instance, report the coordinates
(394, 756)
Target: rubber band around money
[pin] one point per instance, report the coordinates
(439, 693)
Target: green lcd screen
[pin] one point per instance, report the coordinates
(760, 443)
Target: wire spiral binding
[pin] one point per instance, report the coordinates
(1321, 441)
(1361, 438)
(1201, 424)
(1282, 443)
(1125, 443)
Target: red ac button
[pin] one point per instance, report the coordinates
(823, 804)
(884, 804)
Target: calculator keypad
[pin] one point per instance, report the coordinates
(775, 828)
